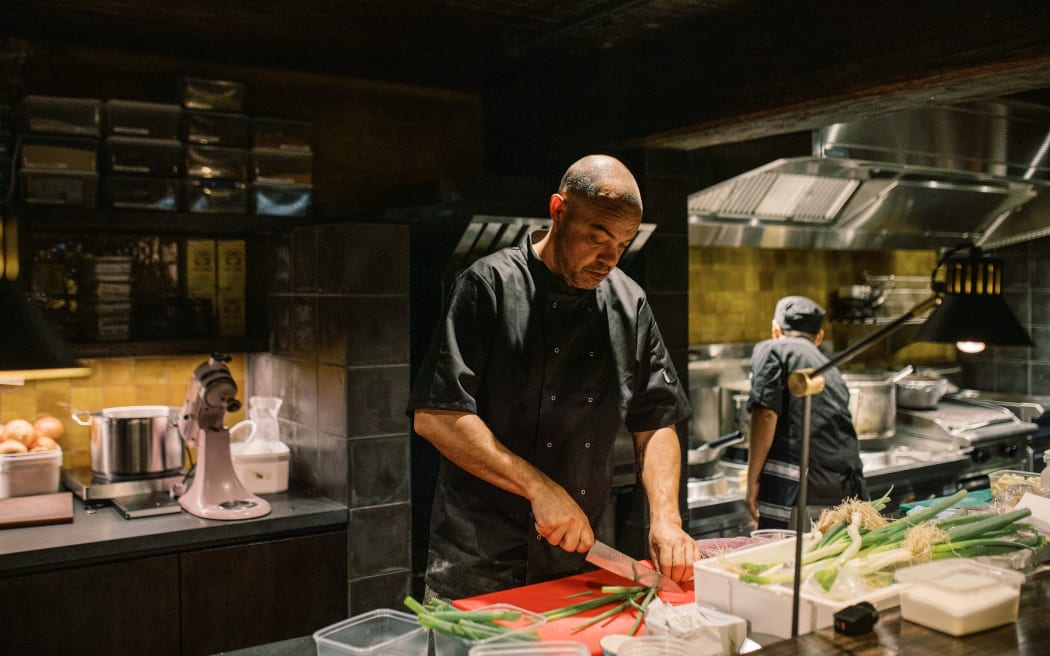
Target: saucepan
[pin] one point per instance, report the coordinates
(133, 441)
(703, 459)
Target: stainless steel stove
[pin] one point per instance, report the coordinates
(992, 436)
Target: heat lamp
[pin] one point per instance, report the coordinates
(215, 491)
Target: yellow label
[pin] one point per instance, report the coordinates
(200, 268)
(231, 316)
(231, 260)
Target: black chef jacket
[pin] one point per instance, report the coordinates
(834, 453)
(554, 372)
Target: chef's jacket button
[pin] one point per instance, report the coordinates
(590, 399)
(583, 492)
(554, 397)
(554, 304)
(587, 445)
(550, 444)
(591, 354)
(557, 350)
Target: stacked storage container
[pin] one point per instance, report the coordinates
(104, 303)
(6, 141)
(143, 155)
(282, 167)
(217, 137)
(58, 150)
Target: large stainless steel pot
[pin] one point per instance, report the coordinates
(921, 391)
(873, 405)
(133, 441)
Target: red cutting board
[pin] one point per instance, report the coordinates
(541, 597)
(37, 509)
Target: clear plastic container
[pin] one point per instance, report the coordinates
(282, 200)
(25, 474)
(58, 153)
(217, 129)
(654, 646)
(216, 196)
(771, 534)
(74, 189)
(212, 95)
(1004, 479)
(545, 648)
(445, 645)
(282, 134)
(132, 118)
(214, 162)
(959, 596)
(60, 115)
(132, 192)
(379, 632)
(136, 156)
(282, 166)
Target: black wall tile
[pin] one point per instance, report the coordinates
(332, 468)
(380, 333)
(1041, 308)
(378, 539)
(377, 259)
(304, 260)
(333, 329)
(376, 400)
(331, 401)
(302, 466)
(379, 471)
(384, 591)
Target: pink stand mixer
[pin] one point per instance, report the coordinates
(215, 491)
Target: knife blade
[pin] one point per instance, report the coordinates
(623, 565)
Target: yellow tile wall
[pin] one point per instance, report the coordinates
(732, 292)
(113, 382)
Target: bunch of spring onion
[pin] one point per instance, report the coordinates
(855, 538)
(625, 598)
(470, 625)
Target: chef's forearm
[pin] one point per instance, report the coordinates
(760, 439)
(659, 462)
(466, 440)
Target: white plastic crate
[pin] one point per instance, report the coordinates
(25, 474)
(768, 607)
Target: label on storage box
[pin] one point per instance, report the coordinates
(200, 269)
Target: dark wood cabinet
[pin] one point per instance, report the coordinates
(191, 603)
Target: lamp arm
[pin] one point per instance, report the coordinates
(919, 308)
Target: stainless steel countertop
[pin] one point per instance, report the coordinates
(102, 535)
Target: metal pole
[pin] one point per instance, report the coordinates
(800, 509)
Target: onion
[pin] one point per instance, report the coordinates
(44, 443)
(8, 447)
(21, 430)
(48, 426)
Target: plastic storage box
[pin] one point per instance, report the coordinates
(282, 200)
(74, 189)
(282, 166)
(446, 645)
(208, 196)
(1002, 479)
(136, 156)
(545, 648)
(132, 118)
(212, 95)
(215, 162)
(217, 129)
(132, 192)
(768, 607)
(379, 632)
(959, 596)
(282, 134)
(58, 153)
(262, 473)
(60, 115)
(25, 474)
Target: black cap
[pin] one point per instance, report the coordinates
(800, 314)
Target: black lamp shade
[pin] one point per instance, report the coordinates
(973, 309)
(29, 346)
(973, 318)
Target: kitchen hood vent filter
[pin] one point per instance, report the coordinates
(776, 196)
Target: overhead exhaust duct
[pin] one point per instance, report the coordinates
(925, 178)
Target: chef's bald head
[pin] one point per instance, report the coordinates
(602, 178)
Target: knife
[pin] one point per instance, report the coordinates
(623, 565)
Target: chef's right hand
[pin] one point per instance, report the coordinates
(560, 521)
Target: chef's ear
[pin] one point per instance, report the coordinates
(557, 207)
(819, 338)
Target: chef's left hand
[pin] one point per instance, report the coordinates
(673, 550)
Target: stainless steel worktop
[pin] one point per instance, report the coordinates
(102, 535)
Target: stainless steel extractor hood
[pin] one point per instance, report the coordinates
(924, 178)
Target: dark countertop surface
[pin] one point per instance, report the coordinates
(99, 533)
(892, 635)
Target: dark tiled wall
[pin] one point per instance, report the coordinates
(1026, 288)
(339, 357)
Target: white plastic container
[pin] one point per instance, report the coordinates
(262, 473)
(768, 607)
(379, 632)
(959, 596)
(25, 474)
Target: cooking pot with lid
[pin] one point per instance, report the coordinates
(134, 441)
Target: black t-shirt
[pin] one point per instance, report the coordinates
(835, 468)
(554, 372)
